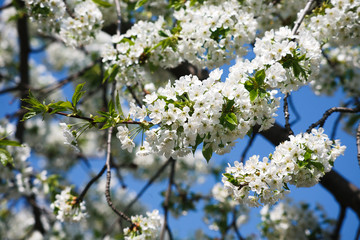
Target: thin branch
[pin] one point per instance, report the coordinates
(301, 18)
(287, 115)
(236, 230)
(87, 187)
(336, 233)
(296, 113)
(52, 87)
(335, 126)
(118, 13)
(321, 122)
(167, 199)
(138, 102)
(358, 143)
(108, 179)
(247, 148)
(147, 185)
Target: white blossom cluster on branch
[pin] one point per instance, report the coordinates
(145, 227)
(300, 161)
(78, 29)
(66, 207)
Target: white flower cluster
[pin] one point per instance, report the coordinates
(70, 136)
(301, 161)
(134, 48)
(66, 208)
(47, 13)
(293, 221)
(52, 17)
(84, 27)
(344, 71)
(211, 35)
(289, 61)
(145, 227)
(191, 111)
(206, 36)
(339, 23)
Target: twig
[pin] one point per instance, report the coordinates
(148, 184)
(167, 200)
(301, 18)
(87, 187)
(236, 230)
(48, 89)
(108, 179)
(296, 113)
(71, 14)
(321, 122)
(358, 143)
(336, 233)
(118, 13)
(247, 148)
(138, 102)
(287, 115)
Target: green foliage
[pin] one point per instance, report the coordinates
(256, 85)
(102, 3)
(140, 3)
(111, 73)
(207, 151)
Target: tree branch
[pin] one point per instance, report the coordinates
(87, 187)
(301, 18)
(336, 233)
(167, 199)
(330, 111)
(287, 115)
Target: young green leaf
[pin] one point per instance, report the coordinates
(102, 3)
(77, 94)
(207, 152)
(9, 143)
(111, 73)
(140, 3)
(254, 94)
(260, 77)
(231, 118)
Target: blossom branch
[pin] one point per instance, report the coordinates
(287, 115)
(301, 18)
(167, 199)
(118, 13)
(330, 111)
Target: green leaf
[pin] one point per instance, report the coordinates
(207, 152)
(102, 3)
(77, 94)
(231, 179)
(318, 166)
(286, 186)
(5, 157)
(198, 141)
(29, 115)
(10, 143)
(118, 105)
(249, 85)
(163, 34)
(111, 73)
(260, 77)
(139, 3)
(111, 107)
(231, 118)
(253, 94)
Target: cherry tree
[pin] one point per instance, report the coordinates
(115, 91)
